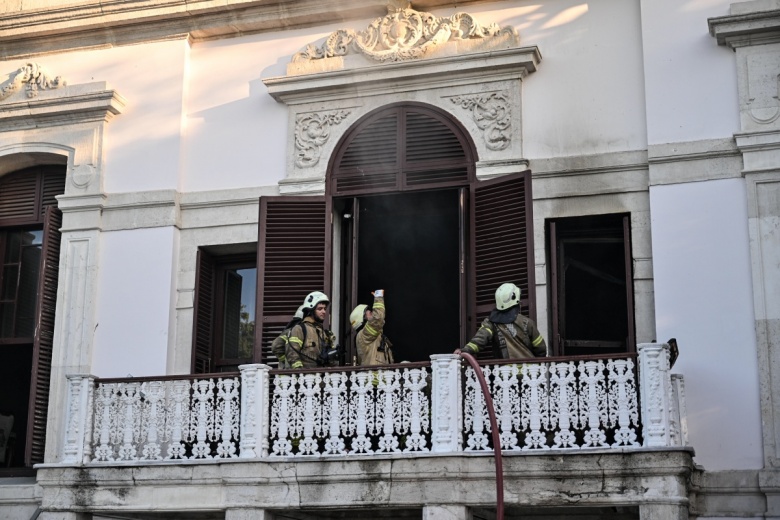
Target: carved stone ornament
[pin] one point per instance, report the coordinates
(403, 34)
(33, 77)
(312, 131)
(492, 114)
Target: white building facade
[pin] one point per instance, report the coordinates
(214, 161)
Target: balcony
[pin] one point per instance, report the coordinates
(426, 424)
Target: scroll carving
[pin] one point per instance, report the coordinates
(403, 34)
(33, 77)
(492, 114)
(312, 131)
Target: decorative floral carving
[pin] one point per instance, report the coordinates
(492, 114)
(33, 77)
(403, 34)
(312, 131)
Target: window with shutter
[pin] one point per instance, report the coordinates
(29, 252)
(224, 324)
(502, 242)
(480, 231)
(294, 257)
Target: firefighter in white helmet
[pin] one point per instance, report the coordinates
(279, 345)
(373, 347)
(310, 345)
(510, 334)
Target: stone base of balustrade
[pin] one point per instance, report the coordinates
(606, 478)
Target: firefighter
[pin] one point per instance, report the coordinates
(509, 333)
(310, 345)
(373, 347)
(279, 345)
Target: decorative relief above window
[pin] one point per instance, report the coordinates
(492, 114)
(312, 131)
(33, 77)
(403, 34)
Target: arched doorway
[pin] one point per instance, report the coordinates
(399, 180)
(403, 211)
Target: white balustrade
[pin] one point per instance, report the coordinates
(369, 411)
(559, 404)
(179, 419)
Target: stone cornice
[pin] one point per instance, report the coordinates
(67, 105)
(105, 23)
(748, 28)
(405, 76)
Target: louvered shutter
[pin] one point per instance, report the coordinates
(293, 259)
(44, 337)
(400, 148)
(502, 243)
(203, 314)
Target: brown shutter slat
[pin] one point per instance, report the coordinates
(53, 184)
(502, 243)
(44, 338)
(293, 259)
(203, 314)
(18, 197)
(25, 194)
(401, 147)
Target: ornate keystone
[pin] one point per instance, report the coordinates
(33, 76)
(403, 34)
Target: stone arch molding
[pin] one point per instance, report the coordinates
(471, 71)
(40, 113)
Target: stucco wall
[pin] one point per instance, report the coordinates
(690, 82)
(703, 298)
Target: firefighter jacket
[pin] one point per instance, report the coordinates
(307, 342)
(279, 345)
(521, 337)
(373, 347)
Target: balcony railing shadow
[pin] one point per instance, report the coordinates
(574, 403)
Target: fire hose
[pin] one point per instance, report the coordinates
(494, 431)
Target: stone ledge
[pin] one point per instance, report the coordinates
(745, 27)
(91, 102)
(540, 479)
(106, 23)
(390, 78)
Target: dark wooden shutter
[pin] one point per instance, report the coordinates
(293, 259)
(555, 304)
(631, 340)
(502, 243)
(44, 337)
(400, 148)
(203, 314)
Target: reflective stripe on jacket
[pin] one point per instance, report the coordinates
(304, 354)
(370, 338)
(523, 339)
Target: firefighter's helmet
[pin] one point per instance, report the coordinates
(357, 316)
(299, 313)
(313, 298)
(507, 296)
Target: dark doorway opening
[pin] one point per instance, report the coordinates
(591, 285)
(411, 245)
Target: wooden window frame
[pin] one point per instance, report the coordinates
(27, 201)
(555, 239)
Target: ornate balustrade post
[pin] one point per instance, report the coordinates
(77, 448)
(446, 409)
(253, 430)
(655, 393)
